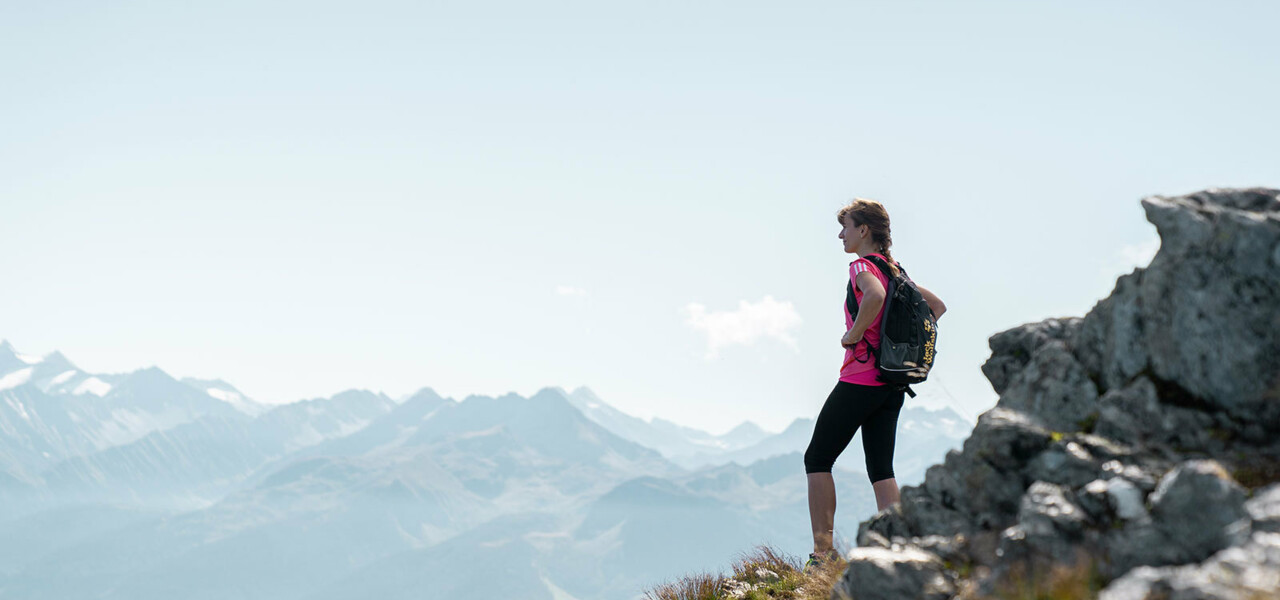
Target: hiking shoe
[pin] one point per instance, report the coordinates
(816, 560)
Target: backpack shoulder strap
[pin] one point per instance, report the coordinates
(850, 301)
(880, 263)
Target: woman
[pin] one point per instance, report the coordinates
(859, 399)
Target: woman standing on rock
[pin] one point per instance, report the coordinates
(859, 399)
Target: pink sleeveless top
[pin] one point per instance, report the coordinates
(853, 370)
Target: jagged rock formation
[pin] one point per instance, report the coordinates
(1136, 450)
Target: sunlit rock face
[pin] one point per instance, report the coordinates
(1134, 452)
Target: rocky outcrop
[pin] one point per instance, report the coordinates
(1133, 453)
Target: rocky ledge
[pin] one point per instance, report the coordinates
(1133, 453)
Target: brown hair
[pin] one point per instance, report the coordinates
(874, 216)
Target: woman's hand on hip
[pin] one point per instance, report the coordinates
(850, 340)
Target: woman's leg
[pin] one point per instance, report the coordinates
(846, 408)
(822, 511)
(886, 493)
(879, 435)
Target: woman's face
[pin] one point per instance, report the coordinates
(852, 234)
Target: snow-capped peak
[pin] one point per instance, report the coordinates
(16, 378)
(237, 401)
(45, 372)
(63, 377)
(30, 359)
(94, 386)
(226, 392)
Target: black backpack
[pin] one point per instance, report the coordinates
(908, 331)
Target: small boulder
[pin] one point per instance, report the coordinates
(882, 574)
(1194, 504)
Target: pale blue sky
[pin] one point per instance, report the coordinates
(305, 197)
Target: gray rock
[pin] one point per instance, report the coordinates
(1065, 462)
(1011, 350)
(980, 486)
(1049, 530)
(1202, 317)
(1054, 387)
(1134, 473)
(1110, 342)
(1194, 504)
(921, 515)
(1196, 510)
(1105, 449)
(1139, 543)
(942, 482)
(1094, 501)
(1181, 231)
(1047, 508)
(1264, 509)
(1135, 415)
(1105, 500)
(1248, 571)
(886, 525)
(1006, 439)
(967, 491)
(1126, 500)
(995, 495)
(1205, 287)
(951, 549)
(868, 538)
(883, 574)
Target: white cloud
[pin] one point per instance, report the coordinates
(748, 324)
(567, 290)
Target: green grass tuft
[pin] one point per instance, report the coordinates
(764, 573)
(699, 586)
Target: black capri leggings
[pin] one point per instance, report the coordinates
(875, 409)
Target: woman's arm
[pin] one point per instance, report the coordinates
(935, 303)
(872, 299)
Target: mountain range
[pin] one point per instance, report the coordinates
(141, 485)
